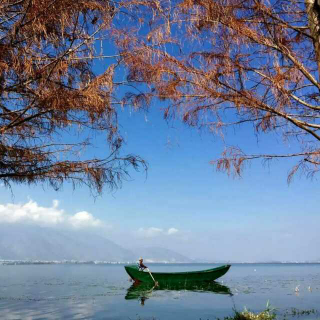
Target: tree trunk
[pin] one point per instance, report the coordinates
(313, 12)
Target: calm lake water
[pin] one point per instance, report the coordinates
(74, 291)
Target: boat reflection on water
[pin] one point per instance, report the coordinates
(143, 291)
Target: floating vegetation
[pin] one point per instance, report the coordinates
(296, 312)
(267, 314)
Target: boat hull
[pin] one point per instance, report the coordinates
(180, 277)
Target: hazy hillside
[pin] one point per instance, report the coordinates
(156, 254)
(29, 242)
(39, 243)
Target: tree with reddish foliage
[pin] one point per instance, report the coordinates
(49, 93)
(234, 63)
(216, 63)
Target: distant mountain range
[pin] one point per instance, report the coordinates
(29, 242)
(156, 254)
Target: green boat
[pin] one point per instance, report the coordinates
(181, 277)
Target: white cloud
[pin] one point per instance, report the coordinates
(31, 212)
(172, 231)
(154, 232)
(84, 219)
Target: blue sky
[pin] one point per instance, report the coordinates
(185, 205)
(182, 203)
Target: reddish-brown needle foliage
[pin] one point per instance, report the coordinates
(50, 94)
(234, 63)
(216, 64)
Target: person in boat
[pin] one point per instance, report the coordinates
(141, 265)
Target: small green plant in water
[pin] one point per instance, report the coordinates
(267, 314)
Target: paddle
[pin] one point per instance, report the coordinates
(155, 282)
